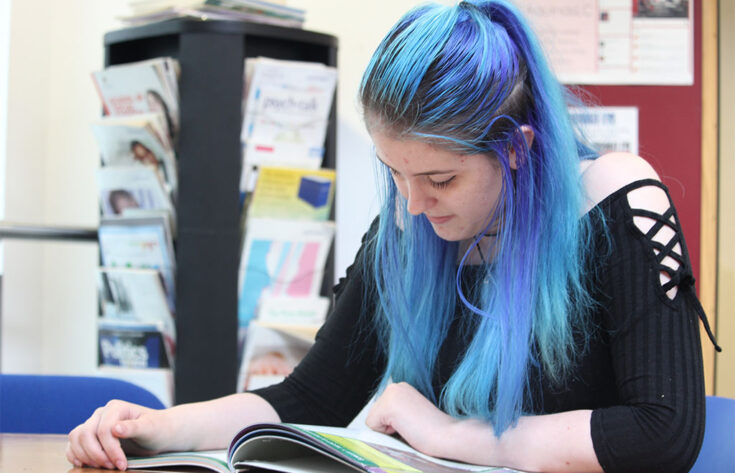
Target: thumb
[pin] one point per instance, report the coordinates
(137, 436)
(131, 428)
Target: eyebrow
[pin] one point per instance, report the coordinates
(425, 173)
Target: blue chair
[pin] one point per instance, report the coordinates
(718, 448)
(56, 404)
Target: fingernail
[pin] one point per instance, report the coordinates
(121, 465)
(109, 466)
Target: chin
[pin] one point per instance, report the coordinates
(450, 234)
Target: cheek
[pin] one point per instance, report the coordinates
(400, 185)
(480, 200)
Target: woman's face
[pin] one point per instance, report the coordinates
(144, 155)
(456, 192)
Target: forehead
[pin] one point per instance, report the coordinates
(403, 152)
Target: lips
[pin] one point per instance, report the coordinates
(439, 220)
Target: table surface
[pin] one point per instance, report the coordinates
(33, 453)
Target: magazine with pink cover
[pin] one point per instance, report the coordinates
(281, 258)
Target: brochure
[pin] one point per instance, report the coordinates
(287, 109)
(141, 87)
(281, 258)
(292, 193)
(143, 242)
(136, 140)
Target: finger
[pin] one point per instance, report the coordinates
(85, 445)
(377, 420)
(90, 451)
(138, 436)
(71, 457)
(107, 430)
(76, 453)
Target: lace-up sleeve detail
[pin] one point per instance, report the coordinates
(670, 250)
(662, 229)
(652, 326)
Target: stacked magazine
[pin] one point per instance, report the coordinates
(258, 11)
(137, 184)
(288, 202)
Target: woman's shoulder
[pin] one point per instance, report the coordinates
(606, 175)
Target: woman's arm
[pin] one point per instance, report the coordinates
(549, 443)
(122, 427)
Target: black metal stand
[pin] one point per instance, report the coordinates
(211, 55)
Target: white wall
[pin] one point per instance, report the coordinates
(48, 303)
(4, 54)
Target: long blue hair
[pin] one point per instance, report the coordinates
(466, 78)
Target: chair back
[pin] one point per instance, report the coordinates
(718, 448)
(56, 404)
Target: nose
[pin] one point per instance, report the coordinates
(418, 200)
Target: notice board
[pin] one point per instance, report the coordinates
(670, 136)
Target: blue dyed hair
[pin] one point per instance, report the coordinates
(466, 78)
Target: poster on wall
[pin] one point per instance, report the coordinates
(616, 42)
(608, 129)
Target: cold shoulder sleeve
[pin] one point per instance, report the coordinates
(340, 372)
(657, 424)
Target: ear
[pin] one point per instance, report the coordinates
(528, 135)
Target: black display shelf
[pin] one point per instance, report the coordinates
(211, 55)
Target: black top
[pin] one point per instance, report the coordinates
(641, 374)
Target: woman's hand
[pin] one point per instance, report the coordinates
(123, 427)
(402, 409)
(117, 427)
(554, 442)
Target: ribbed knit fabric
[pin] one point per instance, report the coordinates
(641, 372)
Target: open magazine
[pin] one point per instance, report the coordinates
(293, 448)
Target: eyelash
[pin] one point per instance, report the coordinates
(442, 184)
(434, 184)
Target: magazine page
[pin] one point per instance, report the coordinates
(286, 114)
(306, 313)
(139, 243)
(133, 344)
(135, 142)
(269, 355)
(140, 87)
(214, 460)
(125, 188)
(281, 258)
(153, 120)
(292, 445)
(132, 294)
(293, 193)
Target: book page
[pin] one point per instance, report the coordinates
(363, 450)
(215, 460)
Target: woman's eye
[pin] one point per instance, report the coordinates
(441, 184)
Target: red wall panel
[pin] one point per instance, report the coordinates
(670, 137)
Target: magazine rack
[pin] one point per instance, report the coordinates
(211, 55)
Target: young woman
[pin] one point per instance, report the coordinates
(518, 302)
